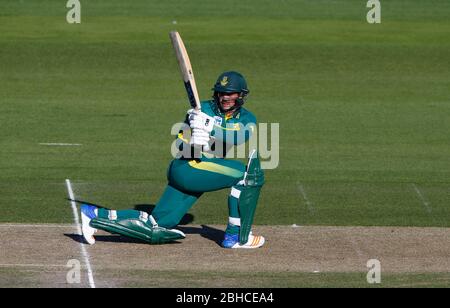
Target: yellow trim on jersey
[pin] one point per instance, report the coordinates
(180, 136)
(236, 127)
(217, 168)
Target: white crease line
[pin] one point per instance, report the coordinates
(309, 204)
(77, 223)
(425, 202)
(311, 210)
(61, 144)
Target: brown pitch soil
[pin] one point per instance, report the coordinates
(37, 255)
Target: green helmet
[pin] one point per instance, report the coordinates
(231, 82)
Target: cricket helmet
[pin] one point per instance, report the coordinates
(231, 82)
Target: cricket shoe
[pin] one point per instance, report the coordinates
(232, 241)
(88, 212)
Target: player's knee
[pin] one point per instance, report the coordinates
(255, 178)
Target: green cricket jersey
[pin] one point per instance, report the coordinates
(228, 131)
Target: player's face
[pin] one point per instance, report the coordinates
(228, 100)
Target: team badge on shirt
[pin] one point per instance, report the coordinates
(218, 120)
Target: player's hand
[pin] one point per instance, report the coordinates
(200, 120)
(199, 137)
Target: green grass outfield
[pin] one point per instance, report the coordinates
(364, 110)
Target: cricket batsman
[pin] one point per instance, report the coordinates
(222, 123)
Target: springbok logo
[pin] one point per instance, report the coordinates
(224, 81)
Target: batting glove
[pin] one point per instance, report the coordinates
(200, 121)
(199, 137)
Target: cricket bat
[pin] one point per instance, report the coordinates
(186, 74)
(186, 69)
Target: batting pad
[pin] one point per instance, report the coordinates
(135, 228)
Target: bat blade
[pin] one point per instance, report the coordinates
(187, 73)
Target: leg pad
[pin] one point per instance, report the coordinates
(248, 197)
(138, 229)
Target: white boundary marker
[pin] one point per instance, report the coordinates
(425, 202)
(77, 223)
